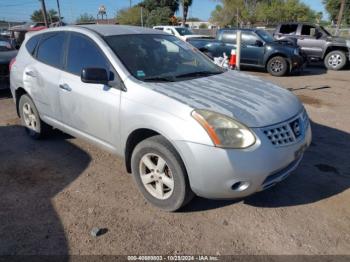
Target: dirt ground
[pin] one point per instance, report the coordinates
(54, 191)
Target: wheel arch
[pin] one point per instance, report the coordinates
(134, 138)
(334, 48)
(277, 54)
(19, 92)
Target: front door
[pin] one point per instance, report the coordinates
(252, 51)
(91, 110)
(309, 43)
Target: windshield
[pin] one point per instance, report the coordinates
(265, 35)
(5, 45)
(183, 31)
(160, 57)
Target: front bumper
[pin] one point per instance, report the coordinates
(213, 172)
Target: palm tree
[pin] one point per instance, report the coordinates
(185, 5)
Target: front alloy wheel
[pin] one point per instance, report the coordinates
(160, 174)
(277, 66)
(335, 60)
(156, 176)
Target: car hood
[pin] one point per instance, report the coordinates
(337, 39)
(248, 99)
(6, 56)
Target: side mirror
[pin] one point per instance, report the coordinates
(318, 34)
(259, 43)
(94, 76)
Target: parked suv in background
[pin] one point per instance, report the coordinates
(260, 49)
(183, 125)
(317, 43)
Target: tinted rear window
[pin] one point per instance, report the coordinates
(50, 49)
(32, 43)
(228, 36)
(289, 29)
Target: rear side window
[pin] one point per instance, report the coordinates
(32, 43)
(290, 29)
(84, 53)
(50, 49)
(228, 37)
(249, 38)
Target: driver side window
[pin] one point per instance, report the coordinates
(308, 30)
(249, 38)
(83, 53)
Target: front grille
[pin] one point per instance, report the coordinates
(287, 132)
(280, 135)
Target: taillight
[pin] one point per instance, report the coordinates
(13, 60)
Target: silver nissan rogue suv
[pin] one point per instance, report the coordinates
(183, 125)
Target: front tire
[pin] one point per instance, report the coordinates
(30, 118)
(277, 66)
(335, 60)
(160, 174)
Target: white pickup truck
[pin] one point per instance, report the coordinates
(180, 31)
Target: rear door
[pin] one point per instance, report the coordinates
(42, 76)
(89, 110)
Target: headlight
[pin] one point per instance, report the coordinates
(348, 43)
(223, 130)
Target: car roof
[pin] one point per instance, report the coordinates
(242, 29)
(108, 30)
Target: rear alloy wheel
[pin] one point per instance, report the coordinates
(160, 174)
(335, 60)
(277, 66)
(30, 118)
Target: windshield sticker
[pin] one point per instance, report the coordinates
(140, 73)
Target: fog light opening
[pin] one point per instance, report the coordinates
(240, 186)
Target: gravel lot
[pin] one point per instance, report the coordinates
(53, 192)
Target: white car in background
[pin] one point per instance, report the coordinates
(180, 32)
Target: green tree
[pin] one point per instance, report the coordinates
(245, 12)
(37, 16)
(131, 16)
(151, 5)
(185, 6)
(333, 7)
(203, 26)
(159, 16)
(85, 18)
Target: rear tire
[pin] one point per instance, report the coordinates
(277, 66)
(335, 60)
(30, 118)
(160, 174)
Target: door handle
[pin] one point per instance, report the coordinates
(65, 87)
(30, 73)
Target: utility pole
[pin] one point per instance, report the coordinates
(59, 12)
(43, 9)
(141, 16)
(130, 1)
(340, 16)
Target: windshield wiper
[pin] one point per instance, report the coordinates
(198, 73)
(158, 79)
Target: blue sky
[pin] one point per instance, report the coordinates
(20, 10)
